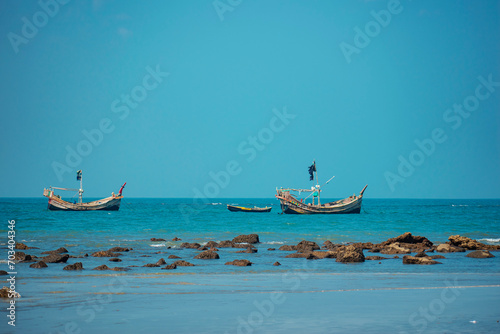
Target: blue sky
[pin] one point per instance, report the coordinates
(235, 98)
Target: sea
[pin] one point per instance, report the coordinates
(460, 295)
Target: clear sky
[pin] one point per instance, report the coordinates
(170, 95)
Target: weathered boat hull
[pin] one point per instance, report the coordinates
(290, 205)
(234, 208)
(105, 204)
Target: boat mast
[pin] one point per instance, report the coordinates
(80, 191)
(317, 184)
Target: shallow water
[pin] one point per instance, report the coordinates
(460, 295)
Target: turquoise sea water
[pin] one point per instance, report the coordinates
(320, 296)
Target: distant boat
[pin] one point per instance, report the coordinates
(291, 205)
(235, 208)
(111, 203)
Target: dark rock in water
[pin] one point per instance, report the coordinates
(102, 267)
(248, 238)
(76, 266)
(5, 292)
(115, 259)
(119, 269)
(193, 245)
(328, 245)
(226, 244)
(308, 256)
(276, 263)
(119, 249)
(24, 258)
(350, 254)
(421, 254)
(307, 246)
(271, 249)
(375, 250)
(57, 251)
(150, 265)
(243, 245)
(212, 244)
(170, 266)
(202, 248)
(107, 253)
(157, 239)
(479, 254)
(174, 257)
(447, 248)
(213, 249)
(161, 262)
(20, 245)
(376, 258)
(39, 265)
(55, 258)
(408, 238)
(408, 259)
(400, 244)
(207, 255)
(363, 245)
(324, 255)
(288, 248)
(182, 263)
(248, 250)
(3, 272)
(470, 244)
(437, 257)
(176, 239)
(395, 257)
(240, 263)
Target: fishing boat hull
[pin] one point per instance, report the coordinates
(106, 204)
(234, 208)
(290, 205)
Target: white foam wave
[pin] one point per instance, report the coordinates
(275, 243)
(490, 240)
(158, 245)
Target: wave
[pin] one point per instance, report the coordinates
(158, 245)
(274, 243)
(490, 240)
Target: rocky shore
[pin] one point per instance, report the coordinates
(408, 248)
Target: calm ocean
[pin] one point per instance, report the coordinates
(320, 296)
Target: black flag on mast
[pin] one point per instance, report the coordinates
(79, 175)
(312, 169)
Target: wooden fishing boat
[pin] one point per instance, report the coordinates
(290, 204)
(235, 208)
(111, 203)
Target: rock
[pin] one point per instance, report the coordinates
(176, 239)
(324, 255)
(119, 269)
(363, 245)
(193, 245)
(161, 262)
(119, 249)
(288, 248)
(376, 258)
(115, 259)
(23, 258)
(5, 292)
(213, 249)
(470, 244)
(76, 266)
(207, 255)
(437, 257)
(202, 248)
(421, 254)
(271, 249)
(297, 255)
(182, 263)
(276, 263)
(375, 250)
(328, 245)
(173, 257)
(248, 238)
(39, 265)
(150, 265)
(57, 251)
(170, 266)
(20, 245)
(408, 259)
(241, 263)
(408, 238)
(102, 267)
(395, 248)
(243, 245)
(350, 254)
(211, 244)
(157, 239)
(55, 258)
(226, 244)
(480, 254)
(447, 248)
(3, 272)
(248, 250)
(107, 253)
(307, 246)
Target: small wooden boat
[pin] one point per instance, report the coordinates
(111, 203)
(291, 205)
(235, 208)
